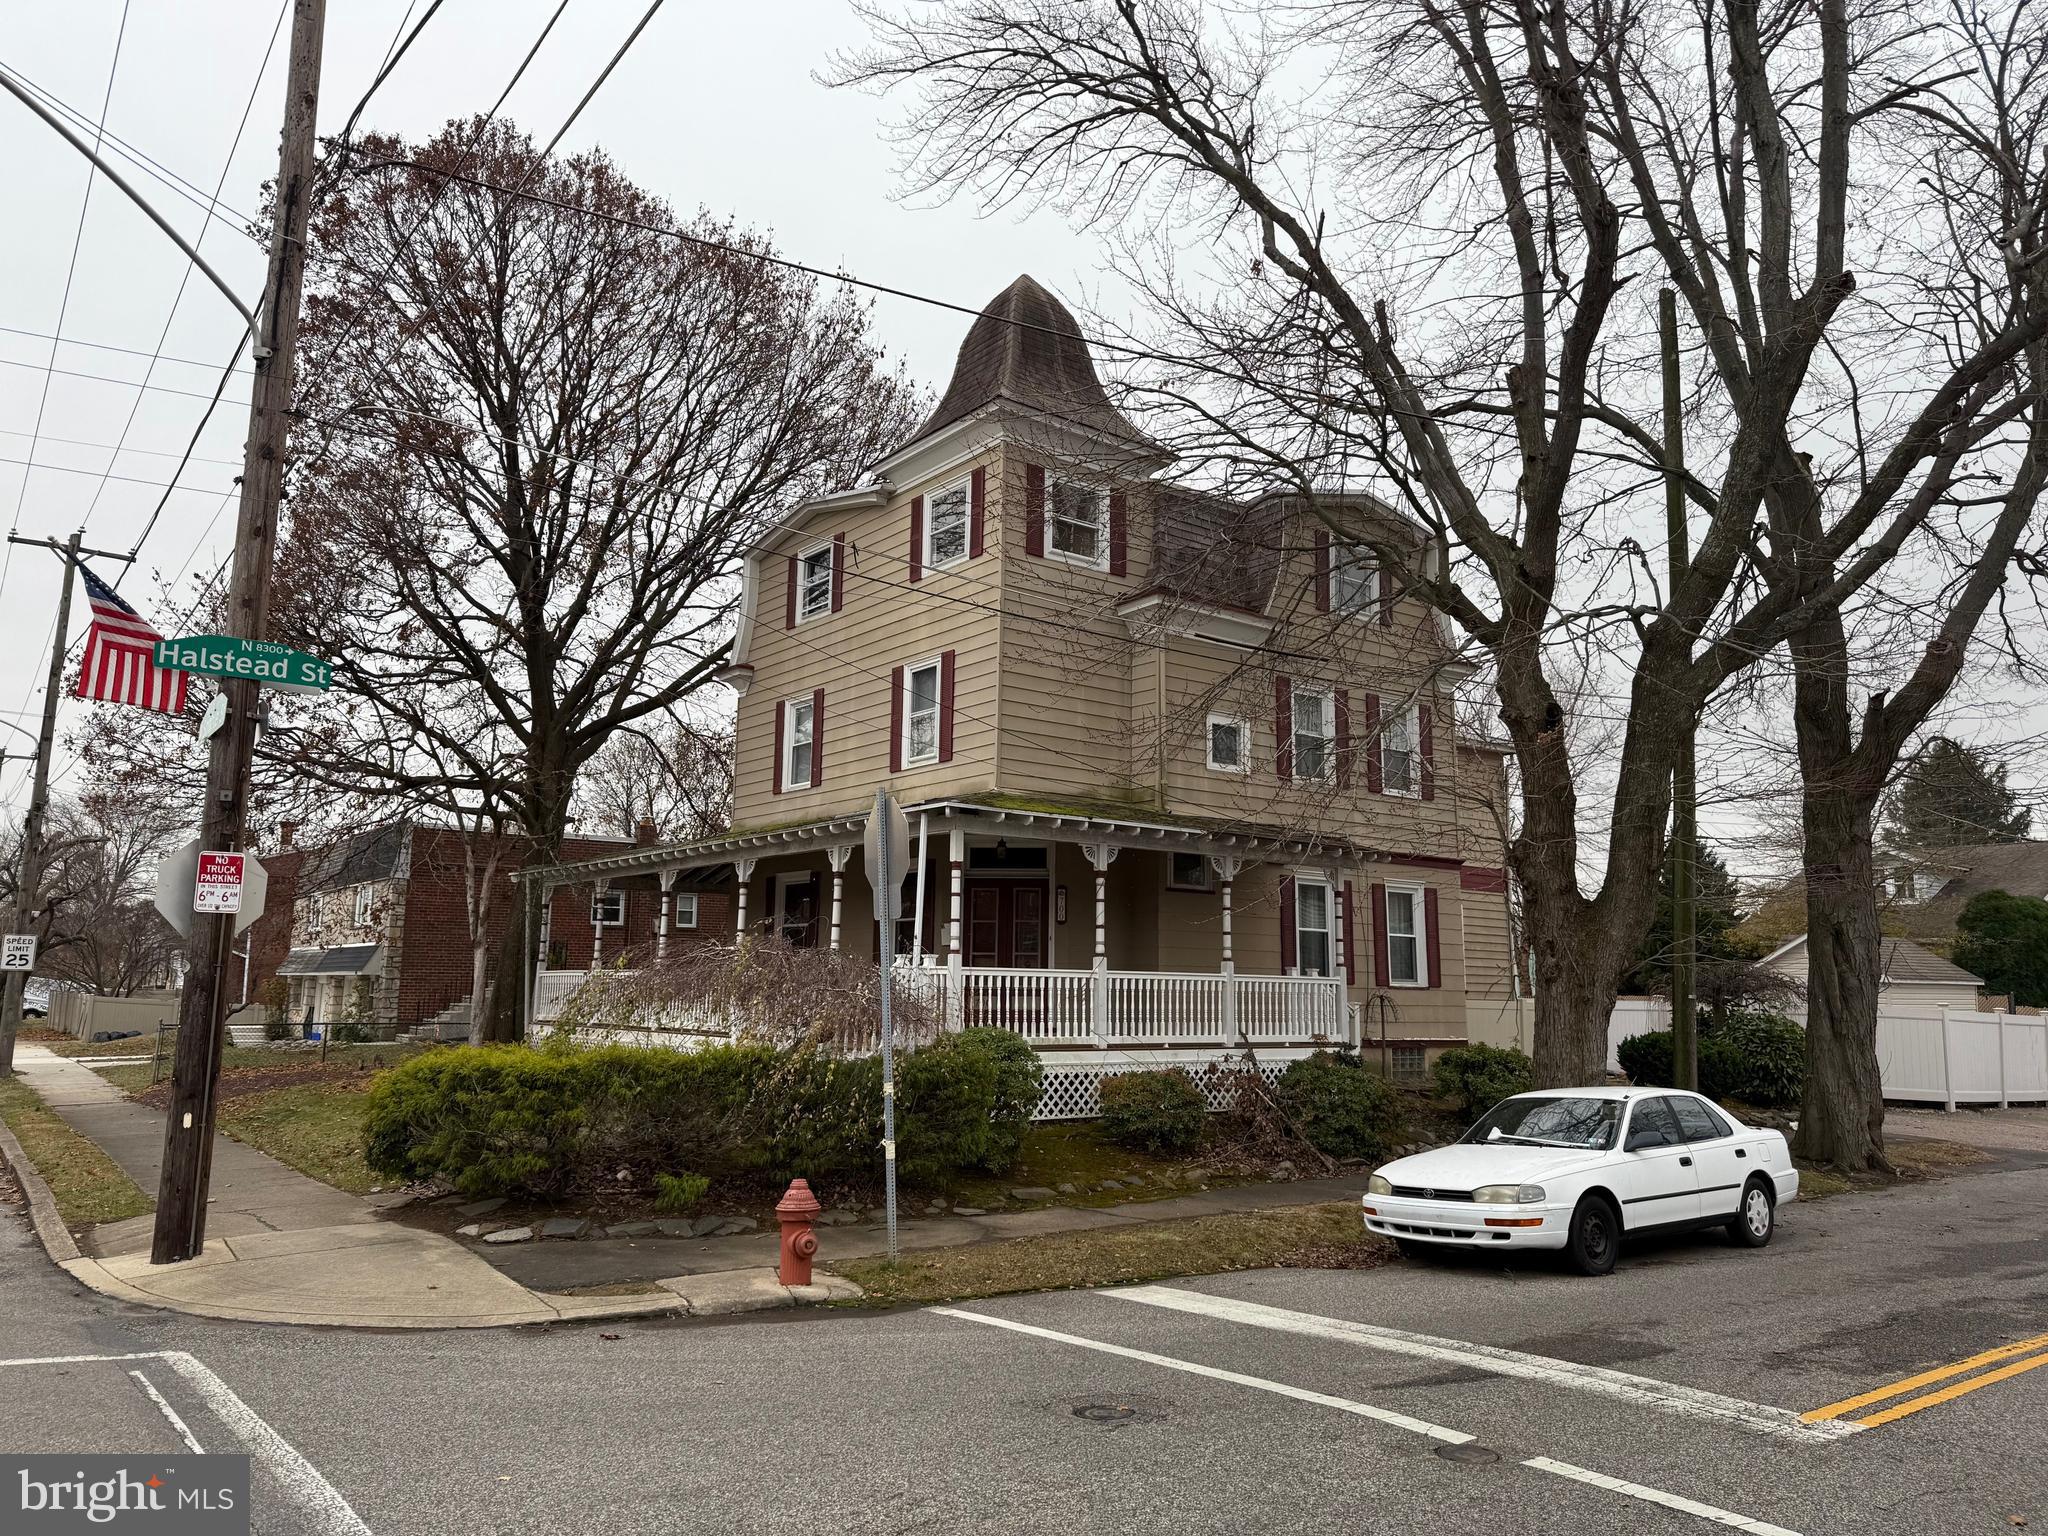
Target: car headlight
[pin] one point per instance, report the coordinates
(1378, 1186)
(1508, 1194)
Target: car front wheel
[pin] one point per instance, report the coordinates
(1595, 1241)
(1756, 1218)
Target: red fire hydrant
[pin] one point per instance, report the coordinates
(799, 1243)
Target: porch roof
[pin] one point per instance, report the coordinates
(1055, 821)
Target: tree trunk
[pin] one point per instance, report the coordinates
(482, 986)
(1841, 1115)
(1574, 998)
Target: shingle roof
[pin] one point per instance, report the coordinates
(1970, 870)
(376, 854)
(1906, 961)
(1211, 550)
(1026, 348)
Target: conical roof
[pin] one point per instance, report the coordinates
(1026, 348)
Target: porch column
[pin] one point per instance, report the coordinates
(547, 920)
(743, 871)
(838, 856)
(1100, 856)
(1227, 867)
(956, 980)
(664, 902)
(596, 928)
(1340, 919)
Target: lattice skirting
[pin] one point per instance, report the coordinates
(1073, 1079)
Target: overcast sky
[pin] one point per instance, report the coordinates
(715, 106)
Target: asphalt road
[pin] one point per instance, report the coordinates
(1176, 1409)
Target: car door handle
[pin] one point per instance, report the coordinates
(1739, 1152)
(1685, 1162)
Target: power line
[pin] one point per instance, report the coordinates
(598, 84)
(117, 448)
(102, 378)
(108, 346)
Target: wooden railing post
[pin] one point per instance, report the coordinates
(1100, 857)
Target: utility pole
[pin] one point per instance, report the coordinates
(1685, 1045)
(195, 1072)
(29, 876)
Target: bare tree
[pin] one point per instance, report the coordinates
(679, 779)
(1429, 231)
(98, 927)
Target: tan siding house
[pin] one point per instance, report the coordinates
(1184, 771)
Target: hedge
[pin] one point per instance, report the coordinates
(1756, 1057)
(563, 1120)
(1153, 1111)
(1343, 1108)
(1474, 1078)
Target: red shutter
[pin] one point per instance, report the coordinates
(781, 724)
(977, 512)
(896, 721)
(1386, 598)
(1350, 939)
(1034, 509)
(1379, 935)
(1287, 946)
(1370, 707)
(838, 571)
(946, 707)
(1435, 978)
(1322, 549)
(817, 737)
(1283, 727)
(1119, 535)
(917, 538)
(789, 603)
(1343, 742)
(1425, 734)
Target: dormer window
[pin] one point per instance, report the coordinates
(814, 582)
(945, 526)
(1354, 581)
(1077, 522)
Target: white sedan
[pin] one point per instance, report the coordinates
(1581, 1168)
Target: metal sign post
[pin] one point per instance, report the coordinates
(886, 847)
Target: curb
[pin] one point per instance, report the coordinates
(57, 1240)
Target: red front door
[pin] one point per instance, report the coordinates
(1005, 922)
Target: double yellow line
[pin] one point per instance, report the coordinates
(2034, 1351)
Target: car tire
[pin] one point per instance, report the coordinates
(1408, 1248)
(1756, 1218)
(1594, 1241)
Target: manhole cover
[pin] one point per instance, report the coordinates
(1468, 1455)
(1106, 1413)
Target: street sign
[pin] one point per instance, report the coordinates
(217, 882)
(177, 879)
(18, 952)
(273, 666)
(215, 717)
(887, 819)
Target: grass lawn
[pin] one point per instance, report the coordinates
(71, 1045)
(355, 1058)
(88, 1185)
(1311, 1236)
(316, 1128)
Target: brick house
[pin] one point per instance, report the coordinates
(375, 926)
(1183, 771)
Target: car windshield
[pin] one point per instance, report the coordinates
(1551, 1122)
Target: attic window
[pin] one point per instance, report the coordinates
(945, 529)
(1354, 582)
(814, 582)
(1077, 518)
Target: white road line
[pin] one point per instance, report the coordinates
(1658, 1496)
(147, 1354)
(323, 1504)
(184, 1431)
(1644, 1391)
(1236, 1378)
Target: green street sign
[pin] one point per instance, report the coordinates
(272, 666)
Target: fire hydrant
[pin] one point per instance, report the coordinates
(799, 1243)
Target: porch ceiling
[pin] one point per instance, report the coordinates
(1051, 822)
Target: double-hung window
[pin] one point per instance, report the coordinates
(362, 906)
(1077, 518)
(1354, 581)
(686, 909)
(1312, 925)
(798, 741)
(1315, 731)
(1404, 937)
(607, 909)
(814, 582)
(921, 713)
(1229, 744)
(945, 526)
(1400, 753)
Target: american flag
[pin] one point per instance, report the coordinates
(119, 667)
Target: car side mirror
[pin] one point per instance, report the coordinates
(1650, 1136)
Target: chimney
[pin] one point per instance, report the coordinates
(645, 833)
(286, 831)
